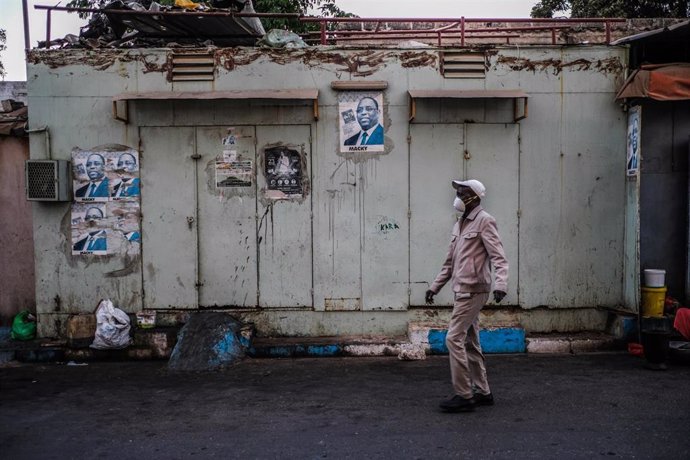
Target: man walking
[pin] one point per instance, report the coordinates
(474, 247)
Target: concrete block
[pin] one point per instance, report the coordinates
(6, 356)
(140, 353)
(161, 341)
(590, 345)
(492, 340)
(79, 354)
(372, 349)
(40, 355)
(502, 340)
(623, 327)
(547, 345)
(80, 330)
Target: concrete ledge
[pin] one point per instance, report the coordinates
(493, 340)
(572, 343)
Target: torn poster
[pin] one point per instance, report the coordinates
(89, 228)
(283, 168)
(105, 173)
(237, 173)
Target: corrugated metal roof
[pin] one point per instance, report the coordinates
(467, 94)
(680, 29)
(223, 30)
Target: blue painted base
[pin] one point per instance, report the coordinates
(502, 340)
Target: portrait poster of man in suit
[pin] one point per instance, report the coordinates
(125, 184)
(89, 228)
(361, 121)
(91, 181)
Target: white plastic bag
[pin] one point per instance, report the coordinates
(112, 327)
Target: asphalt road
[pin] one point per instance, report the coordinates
(547, 407)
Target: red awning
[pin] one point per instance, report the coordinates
(661, 82)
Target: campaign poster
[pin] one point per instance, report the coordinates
(106, 173)
(125, 217)
(361, 121)
(283, 169)
(89, 228)
(633, 143)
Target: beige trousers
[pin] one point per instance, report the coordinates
(466, 357)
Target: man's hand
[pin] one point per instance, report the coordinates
(429, 297)
(498, 296)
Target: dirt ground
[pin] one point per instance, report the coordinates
(566, 406)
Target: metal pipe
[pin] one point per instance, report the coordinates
(467, 20)
(608, 32)
(25, 14)
(43, 129)
(48, 29)
(462, 30)
(429, 35)
(427, 31)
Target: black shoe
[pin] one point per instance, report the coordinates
(484, 400)
(458, 404)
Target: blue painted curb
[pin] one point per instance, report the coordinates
(293, 351)
(500, 340)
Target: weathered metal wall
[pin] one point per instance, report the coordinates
(16, 235)
(370, 232)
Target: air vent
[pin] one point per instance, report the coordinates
(463, 65)
(193, 67)
(47, 180)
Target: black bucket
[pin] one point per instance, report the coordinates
(655, 334)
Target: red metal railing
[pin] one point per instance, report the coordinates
(452, 27)
(448, 28)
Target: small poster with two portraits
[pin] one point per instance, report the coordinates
(105, 211)
(361, 121)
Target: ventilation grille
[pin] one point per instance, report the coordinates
(463, 65)
(193, 67)
(47, 180)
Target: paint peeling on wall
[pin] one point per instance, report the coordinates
(360, 63)
(556, 66)
(99, 60)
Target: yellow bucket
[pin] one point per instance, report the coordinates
(653, 301)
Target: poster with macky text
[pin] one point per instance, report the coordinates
(106, 173)
(361, 123)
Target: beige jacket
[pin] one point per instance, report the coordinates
(474, 247)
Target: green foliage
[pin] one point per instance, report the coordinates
(613, 8)
(3, 40)
(326, 8)
(86, 4)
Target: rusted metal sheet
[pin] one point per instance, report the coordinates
(209, 95)
(468, 94)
